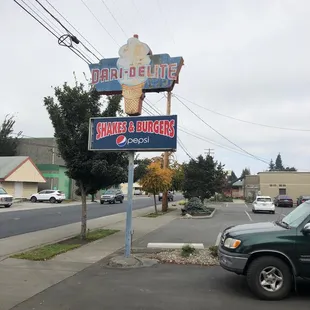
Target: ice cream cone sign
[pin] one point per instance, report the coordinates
(132, 55)
(136, 71)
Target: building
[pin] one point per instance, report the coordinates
(274, 183)
(19, 176)
(237, 189)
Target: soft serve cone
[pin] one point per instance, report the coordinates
(133, 97)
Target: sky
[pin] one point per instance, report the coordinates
(245, 62)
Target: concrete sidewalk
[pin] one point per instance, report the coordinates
(20, 279)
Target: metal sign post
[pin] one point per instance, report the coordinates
(131, 157)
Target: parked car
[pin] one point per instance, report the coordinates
(111, 196)
(263, 204)
(302, 199)
(137, 192)
(283, 201)
(170, 196)
(50, 195)
(6, 200)
(272, 255)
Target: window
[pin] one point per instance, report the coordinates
(297, 216)
(282, 191)
(265, 199)
(2, 191)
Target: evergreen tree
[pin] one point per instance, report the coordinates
(278, 163)
(271, 165)
(8, 144)
(245, 171)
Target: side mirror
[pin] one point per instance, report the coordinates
(306, 229)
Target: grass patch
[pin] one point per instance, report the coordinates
(213, 250)
(159, 213)
(49, 251)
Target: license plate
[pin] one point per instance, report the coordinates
(285, 200)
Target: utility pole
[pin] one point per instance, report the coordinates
(209, 152)
(166, 157)
(53, 163)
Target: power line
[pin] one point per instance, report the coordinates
(167, 25)
(99, 22)
(120, 27)
(242, 120)
(77, 32)
(239, 147)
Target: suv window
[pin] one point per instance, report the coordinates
(265, 199)
(296, 217)
(42, 192)
(2, 191)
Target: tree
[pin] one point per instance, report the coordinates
(245, 171)
(8, 144)
(156, 180)
(271, 165)
(70, 112)
(203, 177)
(177, 177)
(278, 163)
(141, 168)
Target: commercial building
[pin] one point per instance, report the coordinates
(19, 176)
(273, 183)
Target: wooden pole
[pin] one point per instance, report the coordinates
(166, 158)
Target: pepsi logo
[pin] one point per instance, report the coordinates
(121, 141)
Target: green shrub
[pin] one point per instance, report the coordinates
(182, 203)
(213, 250)
(194, 203)
(187, 250)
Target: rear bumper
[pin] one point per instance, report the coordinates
(285, 204)
(264, 208)
(234, 262)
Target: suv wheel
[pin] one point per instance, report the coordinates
(33, 199)
(7, 206)
(114, 201)
(52, 200)
(269, 278)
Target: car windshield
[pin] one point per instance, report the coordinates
(264, 199)
(109, 192)
(2, 191)
(296, 217)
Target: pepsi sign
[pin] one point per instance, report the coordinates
(144, 133)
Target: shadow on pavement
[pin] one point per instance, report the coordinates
(161, 287)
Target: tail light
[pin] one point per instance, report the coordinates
(303, 200)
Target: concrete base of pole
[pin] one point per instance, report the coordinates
(131, 262)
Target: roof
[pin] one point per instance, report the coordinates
(10, 163)
(238, 183)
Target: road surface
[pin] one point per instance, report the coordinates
(21, 222)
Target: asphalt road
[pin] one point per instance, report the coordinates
(173, 287)
(21, 222)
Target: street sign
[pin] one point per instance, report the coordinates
(144, 133)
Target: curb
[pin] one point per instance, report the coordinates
(163, 245)
(198, 217)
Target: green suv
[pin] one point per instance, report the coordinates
(271, 254)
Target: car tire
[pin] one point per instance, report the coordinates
(273, 212)
(59, 201)
(7, 206)
(121, 201)
(52, 200)
(114, 201)
(33, 199)
(101, 202)
(253, 211)
(255, 277)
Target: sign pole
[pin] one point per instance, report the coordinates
(131, 157)
(166, 156)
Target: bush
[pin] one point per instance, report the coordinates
(194, 203)
(182, 203)
(213, 250)
(187, 250)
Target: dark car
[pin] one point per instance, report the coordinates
(302, 199)
(272, 255)
(283, 201)
(112, 196)
(170, 196)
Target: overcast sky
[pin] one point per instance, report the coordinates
(244, 59)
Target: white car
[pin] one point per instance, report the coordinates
(263, 204)
(48, 195)
(6, 200)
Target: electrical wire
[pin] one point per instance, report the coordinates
(99, 22)
(78, 33)
(227, 139)
(242, 120)
(120, 27)
(167, 25)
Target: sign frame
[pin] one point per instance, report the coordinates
(92, 132)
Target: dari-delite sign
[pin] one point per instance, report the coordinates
(135, 72)
(144, 133)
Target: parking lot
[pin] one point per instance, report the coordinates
(207, 231)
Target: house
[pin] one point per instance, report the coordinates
(274, 183)
(237, 189)
(19, 176)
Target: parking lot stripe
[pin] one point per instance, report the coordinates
(218, 239)
(248, 216)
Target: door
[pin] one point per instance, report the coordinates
(18, 190)
(41, 195)
(303, 248)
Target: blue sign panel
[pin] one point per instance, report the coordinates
(159, 75)
(144, 133)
